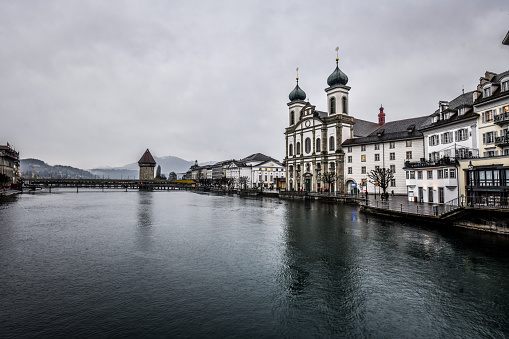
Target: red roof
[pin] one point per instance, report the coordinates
(147, 159)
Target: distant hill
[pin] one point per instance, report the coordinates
(40, 169)
(168, 164)
(35, 168)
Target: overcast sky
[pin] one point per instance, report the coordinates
(93, 83)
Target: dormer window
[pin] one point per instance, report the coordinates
(461, 111)
(435, 118)
(410, 128)
(487, 92)
(505, 85)
(380, 133)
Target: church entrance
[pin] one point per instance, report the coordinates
(308, 185)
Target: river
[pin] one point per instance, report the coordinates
(180, 264)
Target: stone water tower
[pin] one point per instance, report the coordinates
(147, 164)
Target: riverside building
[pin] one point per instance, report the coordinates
(314, 138)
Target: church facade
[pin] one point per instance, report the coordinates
(314, 156)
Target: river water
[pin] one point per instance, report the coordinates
(180, 264)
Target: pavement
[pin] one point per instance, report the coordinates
(401, 204)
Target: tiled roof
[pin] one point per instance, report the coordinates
(147, 159)
(463, 100)
(393, 130)
(256, 157)
(497, 93)
(362, 128)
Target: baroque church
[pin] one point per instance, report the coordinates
(314, 138)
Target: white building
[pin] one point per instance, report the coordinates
(388, 146)
(450, 134)
(314, 138)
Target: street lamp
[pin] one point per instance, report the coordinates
(470, 183)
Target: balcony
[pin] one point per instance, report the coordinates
(431, 163)
(501, 119)
(502, 141)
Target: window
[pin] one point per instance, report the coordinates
(392, 156)
(363, 158)
(332, 105)
(487, 116)
(307, 145)
(349, 170)
(363, 148)
(349, 149)
(377, 167)
(461, 134)
(344, 105)
(393, 168)
(488, 138)
(412, 174)
(433, 140)
(446, 138)
(332, 166)
(318, 145)
(409, 143)
(407, 174)
(292, 117)
(349, 158)
(290, 151)
(505, 86)
(446, 173)
(487, 92)
(377, 157)
(363, 170)
(393, 182)
(430, 174)
(440, 174)
(409, 155)
(392, 144)
(377, 147)
(419, 175)
(298, 148)
(331, 144)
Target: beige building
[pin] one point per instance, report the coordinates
(9, 163)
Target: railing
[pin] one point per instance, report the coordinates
(451, 205)
(491, 202)
(503, 140)
(501, 118)
(439, 162)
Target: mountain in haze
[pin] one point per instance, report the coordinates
(39, 169)
(35, 168)
(168, 164)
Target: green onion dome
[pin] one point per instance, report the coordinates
(297, 93)
(337, 77)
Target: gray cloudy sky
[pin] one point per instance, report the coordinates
(91, 83)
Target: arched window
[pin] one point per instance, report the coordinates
(318, 145)
(292, 117)
(290, 151)
(298, 148)
(344, 105)
(332, 105)
(331, 144)
(308, 145)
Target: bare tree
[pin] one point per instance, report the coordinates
(158, 172)
(243, 182)
(327, 177)
(381, 177)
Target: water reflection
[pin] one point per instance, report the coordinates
(145, 220)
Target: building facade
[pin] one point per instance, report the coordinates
(389, 146)
(9, 164)
(314, 138)
(450, 134)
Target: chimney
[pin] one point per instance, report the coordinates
(381, 116)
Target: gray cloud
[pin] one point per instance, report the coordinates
(97, 82)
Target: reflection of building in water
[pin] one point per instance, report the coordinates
(147, 164)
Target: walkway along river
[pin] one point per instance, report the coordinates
(181, 264)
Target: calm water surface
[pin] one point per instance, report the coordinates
(180, 264)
